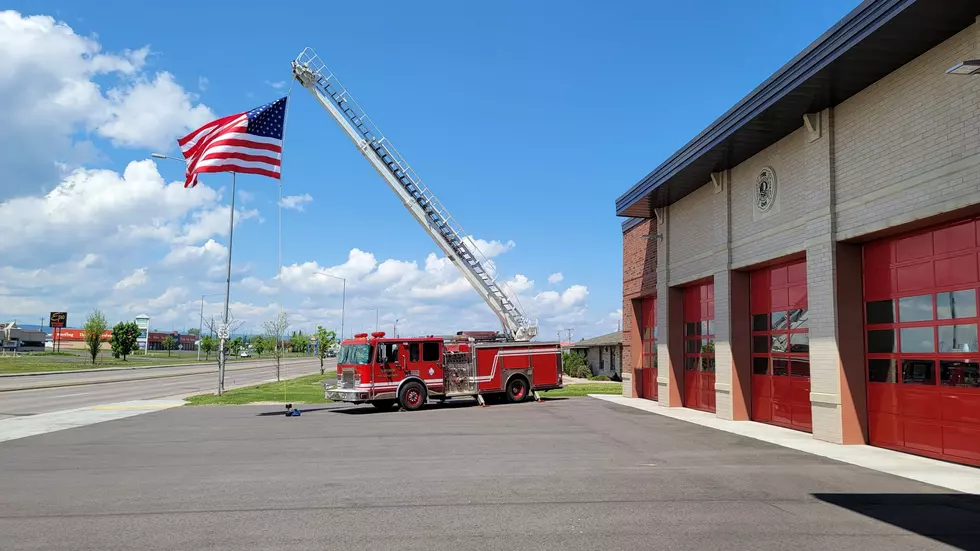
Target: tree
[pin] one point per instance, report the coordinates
(298, 342)
(95, 326)
(324, 341)
(208, 344)
(124, 339)
(274, 331)
(169, 344)
(194, 331)
(235, 345)
(258, 343)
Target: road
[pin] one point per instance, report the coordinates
(575, 474)
(94, 388)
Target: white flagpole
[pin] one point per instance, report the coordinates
(285, 116)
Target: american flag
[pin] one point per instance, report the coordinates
(249, 142)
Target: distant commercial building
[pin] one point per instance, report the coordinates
(812, 258)
(603, 354)
(16, 339)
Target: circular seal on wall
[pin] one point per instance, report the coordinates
(765, 189)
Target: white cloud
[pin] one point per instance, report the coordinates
(213, 221)
(89, 260)
(519, 284)
(490, 249)
(203, 83)
(556, 277)
(295, 202)
(102, 207)
(211, 251)
(52, 100)
(135, 279)
(278, 85)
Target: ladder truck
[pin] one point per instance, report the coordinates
(388, 371)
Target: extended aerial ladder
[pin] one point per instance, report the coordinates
(313, 74)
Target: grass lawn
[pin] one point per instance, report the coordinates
(301, 390)
(585, 389)
(309, 390)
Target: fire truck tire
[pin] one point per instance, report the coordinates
(383, 405)
(412, 396)
(517, 389)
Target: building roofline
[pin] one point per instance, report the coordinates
(857, 26)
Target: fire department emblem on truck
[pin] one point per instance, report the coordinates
(765, 189)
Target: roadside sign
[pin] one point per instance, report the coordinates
(58, 319)
(222, 331)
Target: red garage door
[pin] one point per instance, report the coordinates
(699, 347)
(648, 338)
(920, 294)
(781, 347)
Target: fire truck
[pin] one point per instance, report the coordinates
(385, 371)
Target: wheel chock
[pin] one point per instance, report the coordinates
(481, 401)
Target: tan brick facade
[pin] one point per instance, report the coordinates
(903, 151)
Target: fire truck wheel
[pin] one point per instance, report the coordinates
(516, 389)
(412, 396)
(383, 405)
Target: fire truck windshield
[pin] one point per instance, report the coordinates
(355, 354)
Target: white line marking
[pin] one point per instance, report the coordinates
(67, 395)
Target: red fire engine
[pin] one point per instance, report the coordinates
(385, 371)
(388, 371)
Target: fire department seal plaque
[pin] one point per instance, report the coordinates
(765, 189)
(432, 372)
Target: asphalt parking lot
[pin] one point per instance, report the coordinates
(563, 474)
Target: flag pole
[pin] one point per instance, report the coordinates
(224, 330)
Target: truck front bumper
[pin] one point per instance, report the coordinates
(338, 394)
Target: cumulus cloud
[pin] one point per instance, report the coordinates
(135, 279)
(53, 101)
(295, 202)
(556, 277)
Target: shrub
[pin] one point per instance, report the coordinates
(570, 362)
(599, 378)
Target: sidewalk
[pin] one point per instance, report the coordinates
(938, 473)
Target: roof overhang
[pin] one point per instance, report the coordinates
(873, 40)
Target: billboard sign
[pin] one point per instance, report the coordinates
(58, 319)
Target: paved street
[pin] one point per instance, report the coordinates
(154, 383)
(564, 474)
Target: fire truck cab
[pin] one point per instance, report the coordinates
(408, 371)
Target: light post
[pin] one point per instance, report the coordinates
(377, 320)
(394, 329)
(968, 67)
(223, 332)
(343, 301)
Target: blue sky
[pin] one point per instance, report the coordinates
(527, 119)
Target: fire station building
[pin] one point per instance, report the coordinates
(812, 259)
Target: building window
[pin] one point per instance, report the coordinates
(781, 343)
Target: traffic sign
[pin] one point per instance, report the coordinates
(222, 331)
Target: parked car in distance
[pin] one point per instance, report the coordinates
(245, 354)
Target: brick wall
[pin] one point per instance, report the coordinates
(907, 147)
(696, 239)
(758, 236)
(639, 279)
